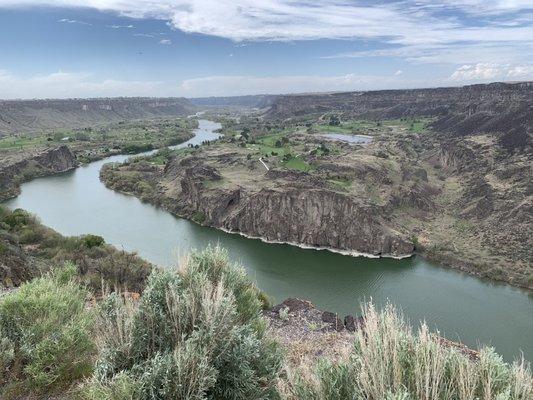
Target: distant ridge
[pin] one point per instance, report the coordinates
(249, 101)
(34, 116)
(503, 109)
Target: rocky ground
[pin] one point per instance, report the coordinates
(308, 334)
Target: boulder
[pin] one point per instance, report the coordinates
(333, 319)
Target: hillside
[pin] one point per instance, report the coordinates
(458, 193)
(35, 116)
(502, 108)
(251, 101)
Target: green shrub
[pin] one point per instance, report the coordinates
(30, 235)
(194, 335)
(45, 328)
(16, 218)
(91, 241)
(199, 217)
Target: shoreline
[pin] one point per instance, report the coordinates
(441, 263)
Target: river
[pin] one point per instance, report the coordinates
(462, 307)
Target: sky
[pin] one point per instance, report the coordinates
(107, 48)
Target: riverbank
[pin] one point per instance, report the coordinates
(16, 170)
(379, 199)
(38, 156)
(28, 249)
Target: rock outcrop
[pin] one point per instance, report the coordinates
(505, 109)
(48, 162)
(299, 214)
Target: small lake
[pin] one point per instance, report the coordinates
(361, 139)
(462, 307)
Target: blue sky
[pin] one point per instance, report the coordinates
(93, 48)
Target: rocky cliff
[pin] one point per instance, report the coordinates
(282, 206)
(298, 213)
(464, 202)
(34, 116)
(505, 109)
(47, 162)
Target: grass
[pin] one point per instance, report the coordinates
(297, 164)
(130, 136)
(390, 361)
(23, 142)
(341, 183)
(98, 263)
(44, 335)
(347, 127)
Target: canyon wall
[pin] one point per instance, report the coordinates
(35, 116)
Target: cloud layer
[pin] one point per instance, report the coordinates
(478, 40)
(450, 31)
(69, 85)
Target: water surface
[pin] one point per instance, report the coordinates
(462, 307)
(347, 138)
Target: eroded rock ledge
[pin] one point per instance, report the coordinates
(308, 333)
(52, 161)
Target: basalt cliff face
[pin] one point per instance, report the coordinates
(456, 188)
(291, 209)
(13, 172)
(296, 212)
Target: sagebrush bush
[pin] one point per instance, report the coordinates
(45, 339)
(389, 361)
(197, 334)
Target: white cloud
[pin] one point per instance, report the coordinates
(165, 41)
(148, 35)
(121, 26)
(68, 85)
(421, 31)
(73, 21)
(77, 84)
(74, 84)
(398, 73)
(477, 71)
(521, 72)
(489, 72)
(242, 85)
(401, 21)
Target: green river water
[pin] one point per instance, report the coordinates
(462, 307)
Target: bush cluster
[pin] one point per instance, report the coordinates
(198, 334)
(194, 335)
(97, 263)
(45, 340)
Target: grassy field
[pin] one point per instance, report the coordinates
(124, 135)
(298, 164)
(417, 125)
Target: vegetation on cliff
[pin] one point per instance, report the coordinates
(29, 249)
(199, 333)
